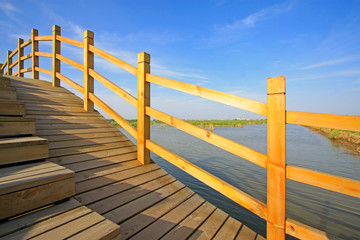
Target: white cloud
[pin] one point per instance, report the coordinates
(331, 62)
(7, 7)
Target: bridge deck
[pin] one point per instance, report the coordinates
(146, 201)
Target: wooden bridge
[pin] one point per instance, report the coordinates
(67, 173)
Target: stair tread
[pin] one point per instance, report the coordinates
(10, 89)
(21, 141)
(16, 119)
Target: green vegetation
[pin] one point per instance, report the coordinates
(205, 123)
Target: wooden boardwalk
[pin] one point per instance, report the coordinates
(146, 201)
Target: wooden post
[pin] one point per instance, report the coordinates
(20, 54)
(143, 125)
(55, 50)
(9, 62)
(88, 64)
(276, 150)
(1, 70)
(34, 49)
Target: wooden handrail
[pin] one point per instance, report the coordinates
(70, 62)
(124, 65)
(113, 87)
(108, 110)
(238, 196)
(43, 38)
(70, 41)
(324, 180)
(25, 57)
(351, 123)
(43, 54)
(210, 137)
(70, 82)
(274, 109)
(25, 44)
(225, 98)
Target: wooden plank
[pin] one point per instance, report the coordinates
(100, 163)
(107, 170)
(56, 49)
(209, 228)
(25, 70)
(117, 187)
(14, 64)
(73, 131)
(29, 167)
(25, 44)
(43, 54)
(70, 61)
(126, 211)
(323, 180)
(43, 38)
(224, 98)
(70, 82)
(13, 52)
(71, 228)
(112, 177)
(119, 199)
(127, 67)
(150, 215)
(103, 230)
(171, 219)
(120, 120)
(302, 231)
(7, 95)
(229, 230)
(25, 57)
(28, 220)
(70, 41)
(210, 137)
(20, 54)
(34, 49)
(64, 113)
(23, 154)
(246, 234)
(84, 142)
(89, 148)
(238, 196)
(4, 82)
(276, 150)
(43, 70)
(350, 123)
(9, 63)
(71, 126)
(143, 96)
(103, 154)
(49, 224)
(113, 87)
(52, 108)
(185, 228)
(28, 199)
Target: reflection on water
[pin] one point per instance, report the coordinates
(329, 211)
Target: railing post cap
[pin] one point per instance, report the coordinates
(9, 52)
(20, 40)
(34, 31)
(56, 28)
(143, 57)
(276, 85)
(88, 34)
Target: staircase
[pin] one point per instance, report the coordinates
(35, 194)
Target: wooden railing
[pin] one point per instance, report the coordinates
(277, 118)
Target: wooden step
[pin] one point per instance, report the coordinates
(4, 82)
(21, 149)
(29, 186)
(65, 220)
(7, 93)
(16, 126)
(12, 108)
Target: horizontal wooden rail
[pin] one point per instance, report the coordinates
(25, 70)
(303, 231)
(342, 122)
(70, 41)
(224, 98)
(323, 180)
(15, 73)
(114, 115)
(113, 87)
(43, 54)
(124, 65)
(70, 82)
(14, 63)
(25, 57)
(4, 65)
(70, 61)
(43, 70)
(14, 52)
(43, 38)
(25, 44)
(238, 196)
(219, 141)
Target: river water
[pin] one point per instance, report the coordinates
(329, 211)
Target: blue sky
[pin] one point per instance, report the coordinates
(230, 46)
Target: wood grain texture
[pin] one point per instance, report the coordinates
(56, 49)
